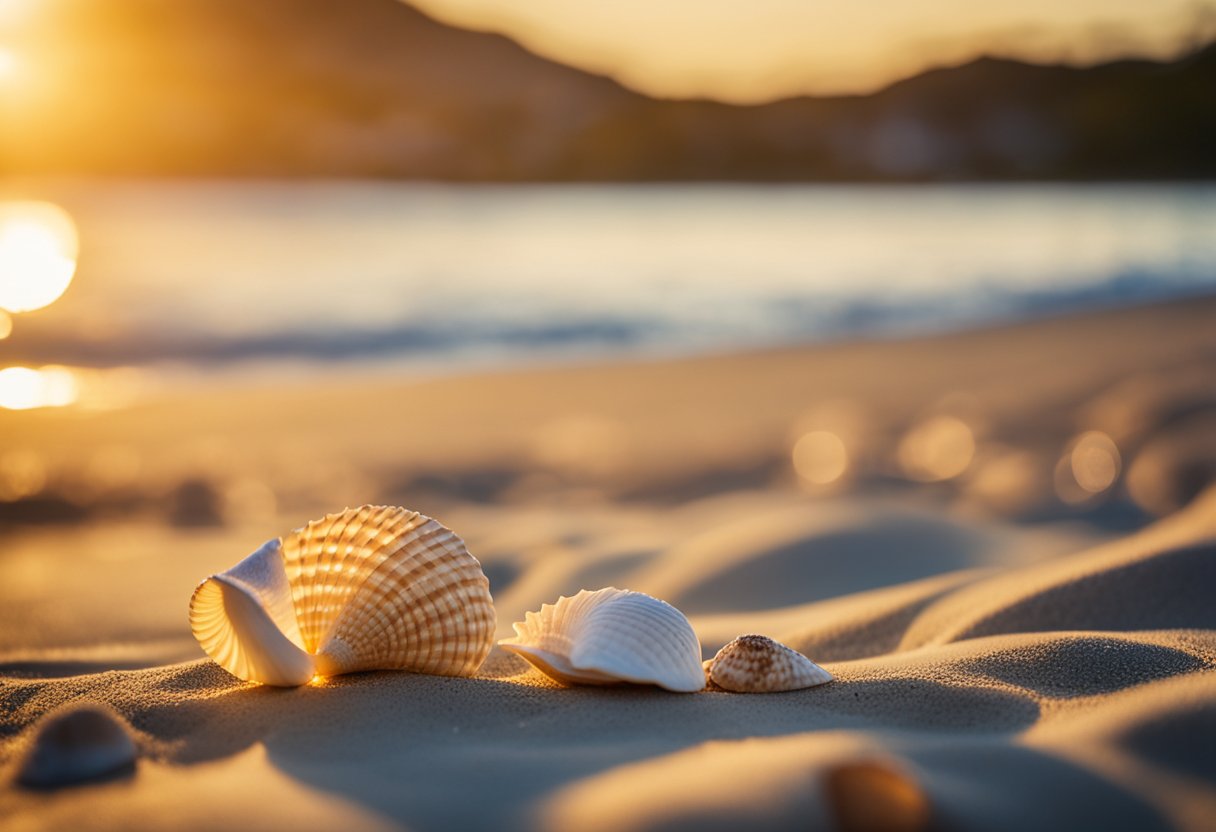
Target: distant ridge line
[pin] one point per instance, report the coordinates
(375, 88)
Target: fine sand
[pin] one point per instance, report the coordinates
(1026, 643)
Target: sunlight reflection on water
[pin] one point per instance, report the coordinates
(24, 388)
(220, 273)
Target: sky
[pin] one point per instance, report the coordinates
(765, 49)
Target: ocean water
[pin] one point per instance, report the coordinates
(228, 275)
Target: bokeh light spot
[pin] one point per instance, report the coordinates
(1095, 461)
(6, 325)
(937, 449)
(38, 246)
(1090, 465)
(820, 457)
(24, 388)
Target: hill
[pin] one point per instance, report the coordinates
(376, 88)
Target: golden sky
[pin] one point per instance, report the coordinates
(756, 50)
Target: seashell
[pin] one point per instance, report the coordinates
(372, 588)
(757, 664)
(610, 636)
(871, 794)
(75, 745)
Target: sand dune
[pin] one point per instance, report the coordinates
(1029, 724)
(990, 672)
(1162, 577)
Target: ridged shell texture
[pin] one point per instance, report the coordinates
(372, 588)
(757, 664)
(608, 636)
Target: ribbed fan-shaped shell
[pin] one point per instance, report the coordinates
(757, 664)
(372, 588)
(609, 636)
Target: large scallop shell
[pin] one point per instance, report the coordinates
(372, 588)
(757, 664)
(610, 636)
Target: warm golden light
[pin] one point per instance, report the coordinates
(820, 457)
(109, 389)
(582, 445)
(6, 325)
(1006, 480)
(751, 52)
(38, 247)
(111, 469)
(23, 388)
(1089, 466)
(874, 795)
(14, 11)
(937, 449)
(251, 500)
(9, 64)
(22, 473)
(1152, 477)
(1095, 461)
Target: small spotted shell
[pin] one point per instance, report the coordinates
(757, 664)
(372, 588)
(610, 636)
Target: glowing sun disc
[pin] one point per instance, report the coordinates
(38, 247)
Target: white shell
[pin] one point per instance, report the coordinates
(77, 744)
(609, 636)
(757, 664)
(372, 588)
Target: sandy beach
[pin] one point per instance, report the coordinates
(1019, 619)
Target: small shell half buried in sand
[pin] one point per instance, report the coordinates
(75, 745)
(372, 588)
(757, 664)
(610, 636)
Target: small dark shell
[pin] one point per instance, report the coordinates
(75, 745)
(868, 795)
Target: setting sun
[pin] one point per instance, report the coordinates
(517, 417)
(38, 246)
